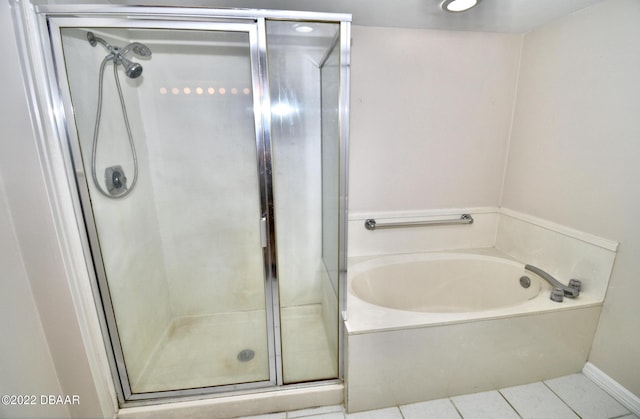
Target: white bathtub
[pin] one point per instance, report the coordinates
(443, 283)
(433, 325)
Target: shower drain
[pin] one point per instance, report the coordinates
(246, 355)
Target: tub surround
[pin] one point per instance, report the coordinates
(558, 249)
(396, 356)
(565, 253)
(411, 365)
(365, 243)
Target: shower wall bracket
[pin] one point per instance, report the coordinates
(115, 180)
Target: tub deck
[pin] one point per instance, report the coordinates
(397, 357)
(363, 317)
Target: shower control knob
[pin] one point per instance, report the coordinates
(557, 295)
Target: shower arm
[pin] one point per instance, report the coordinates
(570, 291)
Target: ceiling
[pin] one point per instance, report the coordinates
(513, 16)
(516, 16)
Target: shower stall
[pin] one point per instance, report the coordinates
(207, 154)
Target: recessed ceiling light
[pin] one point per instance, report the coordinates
(458, 5)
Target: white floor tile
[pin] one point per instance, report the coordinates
(536, 401)
(587, 399)
(280, 415)
(389, 413)
(335, 415)
(440, 409)
(486, 405)
(325, 410)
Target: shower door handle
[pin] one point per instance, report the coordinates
(263, 231)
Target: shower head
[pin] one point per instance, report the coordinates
(132, 69)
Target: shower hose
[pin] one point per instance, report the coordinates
(96, 132)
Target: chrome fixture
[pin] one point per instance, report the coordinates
(132, 69)
(557, 295)
(371, 224)
(570, 291)
(115, 179)
(456, 6)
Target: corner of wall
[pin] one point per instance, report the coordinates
(37, 223)
(516, 86)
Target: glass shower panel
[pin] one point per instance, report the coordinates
(178, 223)
(308, 301)
(330, 90)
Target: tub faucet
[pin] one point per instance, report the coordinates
(570, 291)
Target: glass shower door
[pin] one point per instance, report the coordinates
(170, 165)
(304, 84)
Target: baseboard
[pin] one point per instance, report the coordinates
(611, 386)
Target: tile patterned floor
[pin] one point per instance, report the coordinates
(570, 397)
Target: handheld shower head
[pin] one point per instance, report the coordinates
(131, 69)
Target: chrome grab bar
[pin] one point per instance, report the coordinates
(371, 224)
(571, 291)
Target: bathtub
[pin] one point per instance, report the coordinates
(443, 283)
(433, 325)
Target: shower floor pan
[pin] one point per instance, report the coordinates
(203, 351)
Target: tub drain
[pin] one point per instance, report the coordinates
(246, 355)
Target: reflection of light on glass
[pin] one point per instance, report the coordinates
(199, 90)
(211, 90)
(458, 5)
(163, 90)
(234, 91)
(222, 90)
(246, 91)
(187, 91)
(303, 28)
(175, 91)
(283, 109)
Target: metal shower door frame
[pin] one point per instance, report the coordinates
(257, 51)
(41, 58)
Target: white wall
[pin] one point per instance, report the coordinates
(203, 172)
(25, 361)
(574, 154)
(44, 273)
(430, 117)
(294, 81)
(128, 227)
